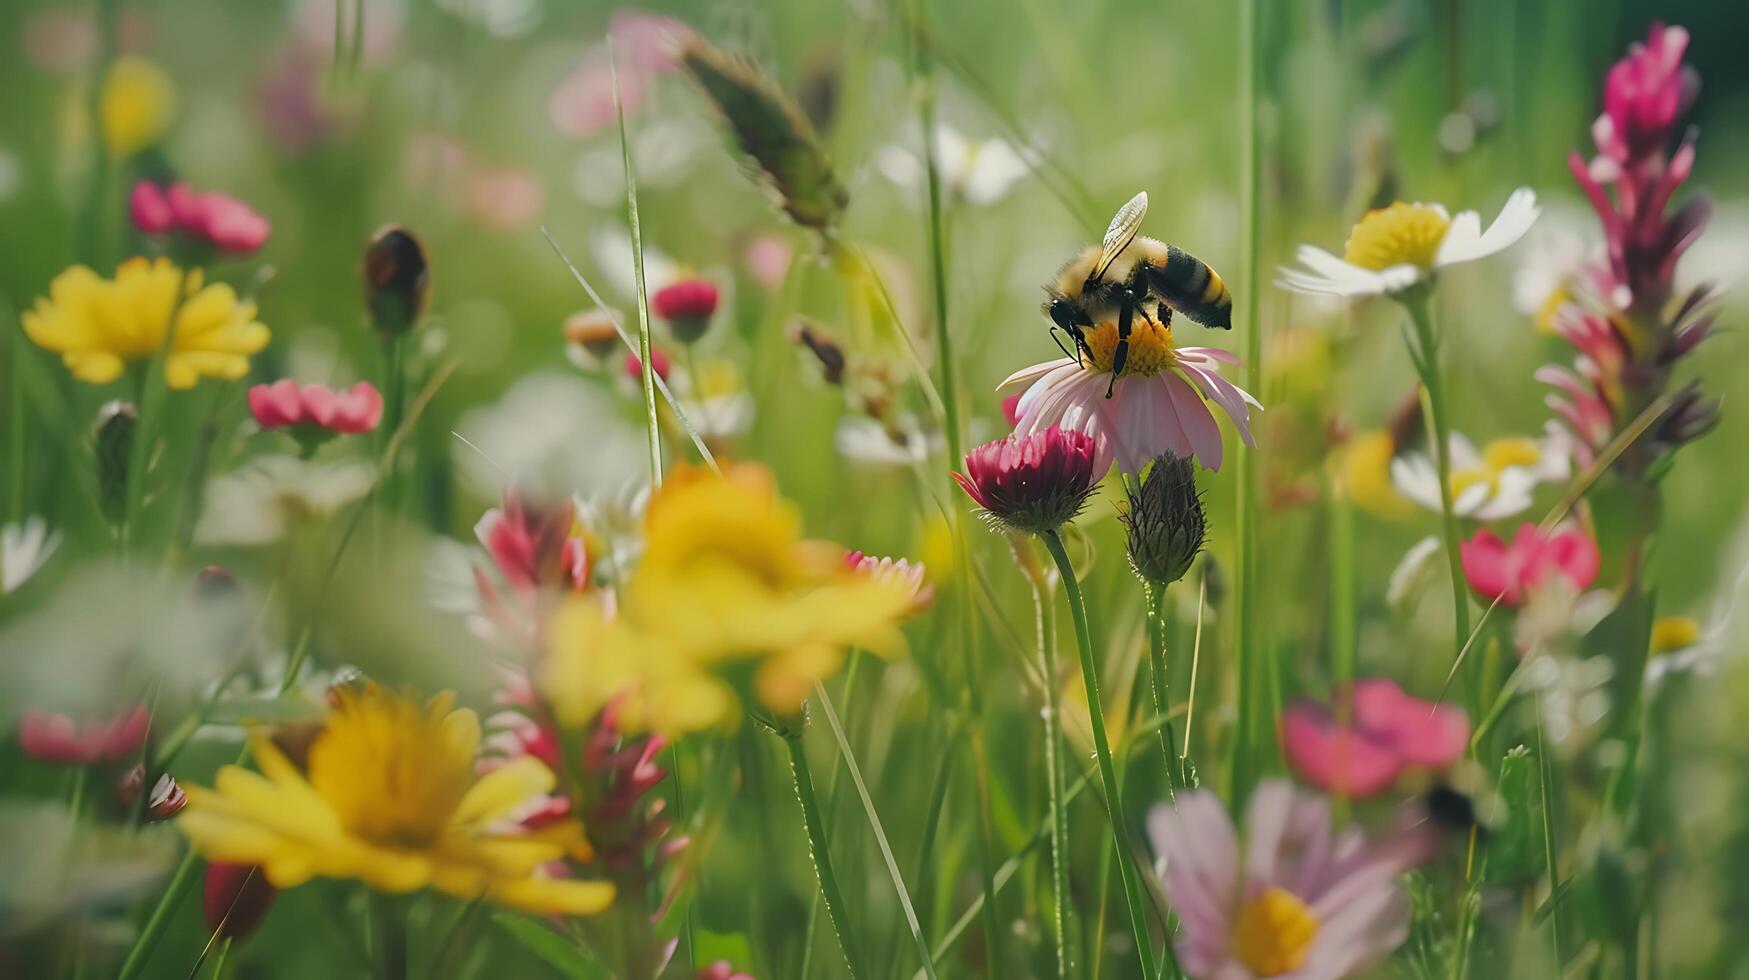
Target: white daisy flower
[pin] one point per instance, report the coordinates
(1488, 484)
(980, 171)
(263, 500)
(862, 439)
(1394, 248)
(24, 548)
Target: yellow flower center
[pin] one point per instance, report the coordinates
(1497, 456)
(1545, 317)
(1511, 451)
(1398, 235)
(394, 770)
(1274, 933)
(1150, 347)
(1673, 633)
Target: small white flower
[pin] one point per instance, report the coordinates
(24, 548)
(1489, 484)
(260, 502)
(1394, 248)
(861, 439)
(980, 171)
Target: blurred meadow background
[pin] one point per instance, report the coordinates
(189, 559)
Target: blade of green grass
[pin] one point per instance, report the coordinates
(632, 345)
(646, 364)
(874, 823)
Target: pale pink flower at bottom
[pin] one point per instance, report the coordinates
(1293, 898)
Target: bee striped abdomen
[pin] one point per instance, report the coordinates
(1192, 288)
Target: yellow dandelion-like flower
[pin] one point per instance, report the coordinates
(97, 325)
(135, 106)
(727, 597)
(390, 796)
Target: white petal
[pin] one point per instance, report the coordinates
(1515, 218)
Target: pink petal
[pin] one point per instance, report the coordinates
(1199, 424)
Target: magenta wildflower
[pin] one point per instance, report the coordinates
(1036, 482)
(57, 738)
(1511, 572)
(209, 218)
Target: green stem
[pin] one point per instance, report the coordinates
(1156, 596)
(1102, 750)
(1246, 621)
(813, 820)
(15, 441)
(181, 882)
(1427, 363)
(924, 78)
(152, 390)
(223, 958)
(390, 914)
(1059, 820)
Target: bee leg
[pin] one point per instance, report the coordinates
(1164, 315)
(1121, 354)
(1059, 342)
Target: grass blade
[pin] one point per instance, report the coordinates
(874, 823)
(648, 371)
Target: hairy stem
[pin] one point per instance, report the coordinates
(814, 821)
(1102, 750)
(1059, 820)
(1439, 423)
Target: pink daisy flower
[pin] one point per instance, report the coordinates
(1511, 572)
(287, 404)
(1293, 898)
(1384, 733)
(1159, 403)
(57, 738)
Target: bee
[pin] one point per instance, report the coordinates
(1126, 274)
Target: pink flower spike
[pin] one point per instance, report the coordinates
(150, 209)
(57, 738)
(1508, 573)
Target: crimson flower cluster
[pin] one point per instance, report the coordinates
(1629, 328)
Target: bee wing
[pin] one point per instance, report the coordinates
(1121, 232)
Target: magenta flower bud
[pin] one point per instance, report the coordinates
(150, 209)
(166, 801)
(1033, 483)
(687, 306)
(236, 899)
(1644, 94)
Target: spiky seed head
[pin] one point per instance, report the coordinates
(772, 130)
(1165, 521)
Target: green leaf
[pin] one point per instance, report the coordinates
(264, 711)
(561, 952)
(731, 947)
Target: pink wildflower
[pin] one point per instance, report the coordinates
(57, 738)
(287, 404)
(1497, 570)
(1036, 482)
(1385, 733)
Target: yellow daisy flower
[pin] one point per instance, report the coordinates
(727, 594)
(97, 325)
(135, 106)
(390, 796)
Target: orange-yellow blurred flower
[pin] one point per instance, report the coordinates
(1365, 473)
(97, 325)
(727, 596)
(390, 796)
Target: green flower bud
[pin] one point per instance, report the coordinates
(113, 442)
(1165, 521)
